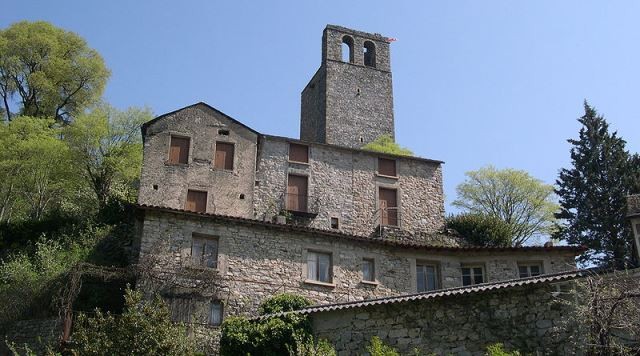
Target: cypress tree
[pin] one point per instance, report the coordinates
(593, 194)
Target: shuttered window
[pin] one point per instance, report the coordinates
(387, 167)
(179, 150)
(204, 251)
(196, 201)
(224, 156)
(298, 153)
(181, 309)
(215, 313)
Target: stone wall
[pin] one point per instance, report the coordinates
(313, 101)
(258, 260)
(164, 184)
(37, 334)
(344, 184)
(633, 205)
(528, 319)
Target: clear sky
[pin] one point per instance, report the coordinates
(475, 82)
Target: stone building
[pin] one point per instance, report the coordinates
(230, 216)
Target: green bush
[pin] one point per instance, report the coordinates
(145, 328)
(481, 230)
(377, 348)
(270, 336)
(498, 350)
(385, 144)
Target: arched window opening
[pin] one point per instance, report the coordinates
(347, 49)
(369, 51)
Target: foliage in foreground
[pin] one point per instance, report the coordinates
(525, 203)
(272, 336)
(377, 348)
(498, 350)
(593, 193)
(385, 144)
(145, 328)
(480, 229)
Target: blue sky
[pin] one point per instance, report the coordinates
(475, 82)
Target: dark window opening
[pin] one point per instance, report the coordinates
(529, 270)
(196, 201)
(472, 275)
(347, 49)
(298, 153)
(426, 277)
(369, 50)
(155, 187)
(242, 196)
(361, 139)
(223, 132)
(181, 309)
(224, 156)
(368, 270)
(335, 223)
(387, 167)
(179, 150)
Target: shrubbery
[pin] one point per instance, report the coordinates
(481, 230)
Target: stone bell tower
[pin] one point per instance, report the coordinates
(349, 101)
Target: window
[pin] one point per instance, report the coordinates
(224, 156)
(297, 193)
(298, 153)
(179, 150)
(204, 251)
(426, 277)
(388, 206)
(368, 270)
(181, 309)
(223, 132)
(387, 167)
(196, 201)
(472, 275)
(369, 51)
(335, 223)
(638, 229)
(347, 49)
(529, 269)
(215, 313)
(319, 266)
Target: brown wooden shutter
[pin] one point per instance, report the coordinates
(298, 153)
(196, 201)
(179, 150)
(387, 167)
(224, 156)
(297, 193)
(388, 206)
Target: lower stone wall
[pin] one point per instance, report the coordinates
(37, 334)
(529, 319)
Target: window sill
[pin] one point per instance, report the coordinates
(318, 283)
(371, 283)
(202, 268)
(222, 170)
(386, 176)
(300, 163)
(176, 164)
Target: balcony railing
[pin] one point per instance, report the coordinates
(387, 217)
(301, 205)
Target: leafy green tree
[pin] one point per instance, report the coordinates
(36, 172)
(51, 72)
(593, 193)
(145, 328)
(525, 203)
(385, 144)
(107, 145)
(481, 229)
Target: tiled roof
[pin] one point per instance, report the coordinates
(478, 288)
(365, 239)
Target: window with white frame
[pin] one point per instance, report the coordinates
(472, 275)
(319, 266)
(426, 277)
(215, 313)
(368, 270)
(530, 269)
(204, 251)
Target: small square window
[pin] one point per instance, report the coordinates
(319, 266)
(204, 251)
(426, 277)
(179, 150)
(196, 201)
(298, 153)
(387, 167)
(223, 132)
(215, 313)
(472, 275)
(529, 269)
(224, 156)
(335, 223)
(368, 270)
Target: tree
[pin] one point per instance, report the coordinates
(593, 193)
(145, 328)
(107, 145)
(52, 71)
(481, 230)
(522, 201)
(385, 144)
